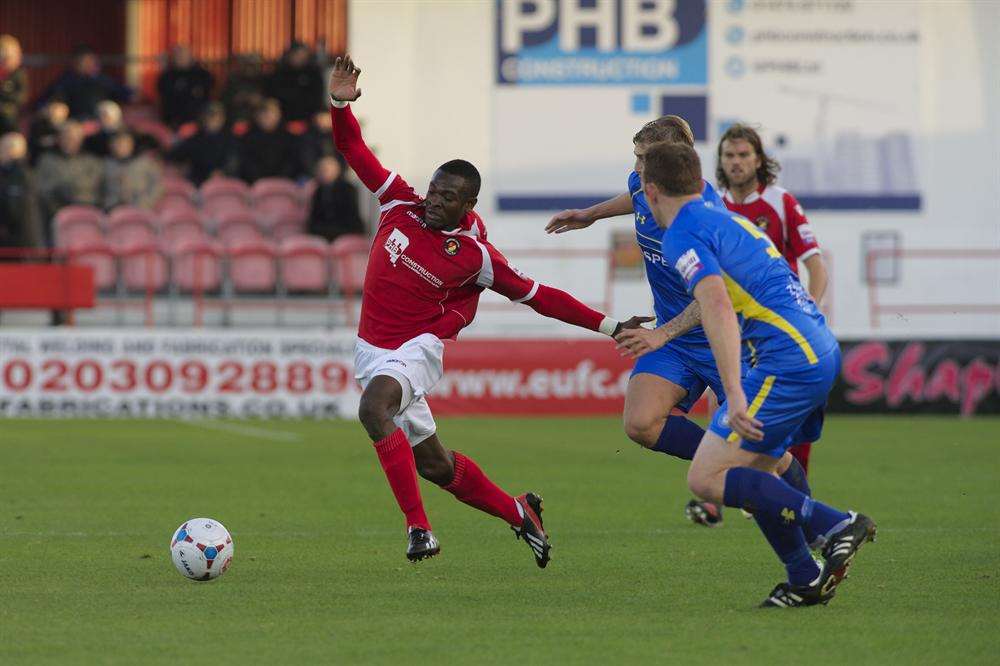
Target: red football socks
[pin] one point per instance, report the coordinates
(397, 461)
(474, 488)
(801, 453)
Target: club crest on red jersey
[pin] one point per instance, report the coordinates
(761, 222)
(452, 246)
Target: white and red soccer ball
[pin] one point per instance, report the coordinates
(202, 549)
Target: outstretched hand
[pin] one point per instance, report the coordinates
(568, 220)
(638, 341)
(344, 80)
(630, 324)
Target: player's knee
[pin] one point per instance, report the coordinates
(642, 430)
(699, 483)
(375, 416)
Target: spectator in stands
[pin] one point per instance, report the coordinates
(244, 90)
(297, 83)
(316, 143)
(43, 136)
(334, 209)
(13, 84)
(83, 86)
(109, 116)
(184, 87)
(68, 176)
(111, 123)
(130, 179)
(268, 150)
(19, 225)
(211, 151)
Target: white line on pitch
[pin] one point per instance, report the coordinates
(247, 430)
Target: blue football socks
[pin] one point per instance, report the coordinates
(680, 438)
(789, 543)
(795, 476)
(762, 492)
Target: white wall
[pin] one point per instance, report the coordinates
(428, 96)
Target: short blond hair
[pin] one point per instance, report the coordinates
(672, 129)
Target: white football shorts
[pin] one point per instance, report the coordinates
(417, 365)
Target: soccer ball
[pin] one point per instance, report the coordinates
(202, 549)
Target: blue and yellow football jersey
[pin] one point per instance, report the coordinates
(670, 295)
(781, 323)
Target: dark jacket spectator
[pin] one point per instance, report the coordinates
(109, 118)
(19, 223)
(83, 86)
(244, 90)
(130, 179)
(297, 83)
(43, 136)
(68, 176)
(268, 150)
(13, 84)
(184, 89)
(334, 209)
(211, 150)
(316, 143)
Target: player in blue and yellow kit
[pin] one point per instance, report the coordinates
(733, 270)
(674, 375)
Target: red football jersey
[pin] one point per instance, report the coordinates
(774, 210)
(421, 280)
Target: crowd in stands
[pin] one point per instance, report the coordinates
(85, 141)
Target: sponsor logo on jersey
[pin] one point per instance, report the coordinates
(806, 232)
(654, 257)
(689, 264)
(395, 244)
(452, 246)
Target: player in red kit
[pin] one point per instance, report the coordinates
(746, 176)
(429, 262)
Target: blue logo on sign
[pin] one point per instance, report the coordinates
(588, 42)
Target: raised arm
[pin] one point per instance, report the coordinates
(347, 131)
(575, 218)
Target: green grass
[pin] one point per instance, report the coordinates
(87, 509)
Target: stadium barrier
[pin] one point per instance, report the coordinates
(273, 373)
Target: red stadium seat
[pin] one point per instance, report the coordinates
(252, 266)
(305, 264)
(350, 258)
(224, 185)
(197, 265)
(143, 267)
(237, 225)
(218, 205)
(267, 187)
(128, 224)
(181, 225)
(221, 194)
(76, 224)
(177, 193)
(98, 255)
(282, 214)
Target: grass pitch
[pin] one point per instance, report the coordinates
(87, 509)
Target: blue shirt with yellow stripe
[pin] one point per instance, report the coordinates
(670, 295)
(781, 323)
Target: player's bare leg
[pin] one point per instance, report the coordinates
(649, 401)
(380, 403)
(462, 477)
